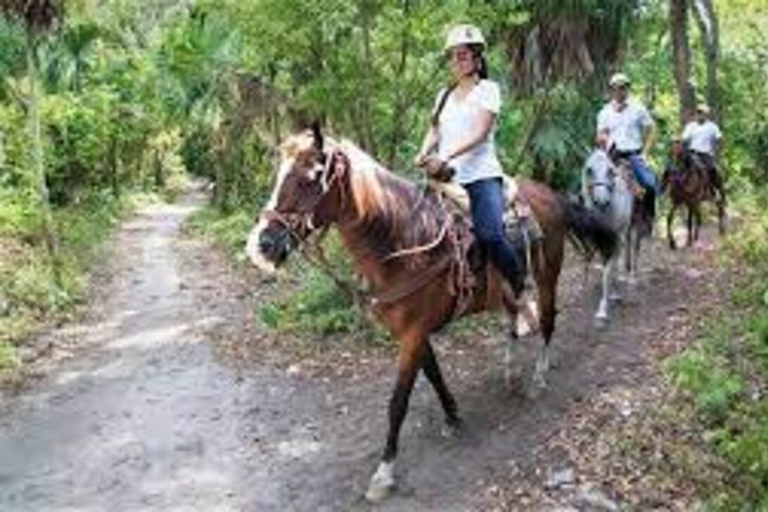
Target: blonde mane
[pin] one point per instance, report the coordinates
(369, 181)
(372, 185)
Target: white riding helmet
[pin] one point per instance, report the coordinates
(464, 35)
(619, 80)
(703, 108)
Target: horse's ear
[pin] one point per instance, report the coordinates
(317, 135)
(338, 167)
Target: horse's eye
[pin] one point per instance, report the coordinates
(590, 172)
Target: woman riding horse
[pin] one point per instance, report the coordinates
(461, 131)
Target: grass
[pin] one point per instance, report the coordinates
(29, 299)
(228, 231)
(724, 377)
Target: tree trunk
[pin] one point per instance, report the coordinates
(159, 175)
(38, 166)
(706, 19)
(681, 57)
(114, 167)
(220, 157)
(398, 113)
(366, 16)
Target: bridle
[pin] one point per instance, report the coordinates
(302, 224)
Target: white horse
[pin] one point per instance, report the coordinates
(607, 188)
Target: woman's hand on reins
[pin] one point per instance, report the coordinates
(432, 164)
(437, 168)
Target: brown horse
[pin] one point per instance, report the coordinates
(411, 250)
(688, 184)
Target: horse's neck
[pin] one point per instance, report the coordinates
(367, 238)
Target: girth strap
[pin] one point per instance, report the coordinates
(408, 287)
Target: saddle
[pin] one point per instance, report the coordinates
(523, 230)
(518, 217)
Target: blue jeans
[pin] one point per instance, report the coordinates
(487, 205)
(643, 173)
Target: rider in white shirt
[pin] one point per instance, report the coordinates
(702, 137)
(626, 128)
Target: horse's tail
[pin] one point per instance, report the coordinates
(589, 230)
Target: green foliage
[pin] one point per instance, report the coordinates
(27, 294)
(750, 242)
(712, 385)
(725, 375)
(9, 358)
(227, 230)
(317, 307)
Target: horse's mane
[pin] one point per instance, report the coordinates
(394, 212)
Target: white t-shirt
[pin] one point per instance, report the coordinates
(702, 137)
(625, 127)
(455, 125)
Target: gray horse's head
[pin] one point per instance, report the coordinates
(599, 180)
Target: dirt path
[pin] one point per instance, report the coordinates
(144, 407)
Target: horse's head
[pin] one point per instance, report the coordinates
(599, 180)
(304, 199)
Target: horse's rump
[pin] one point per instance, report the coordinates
(558, 216)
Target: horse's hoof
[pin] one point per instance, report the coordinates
(538, 386)
(451, 429)
(540, 380)
(511, 378)
(379, 493)
(382, 483)
(601, 322)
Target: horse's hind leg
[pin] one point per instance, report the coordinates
(509, 349)
(435, 377)
(547, 305)
(721, 216)
(635, 260)
(697, 226)
(547, 273)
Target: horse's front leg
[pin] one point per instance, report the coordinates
(689, 241)
(412, 350)
(602, 308)
(435, 377)
(670, 222)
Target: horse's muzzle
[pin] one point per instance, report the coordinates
(602, 206)
(276, 243)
